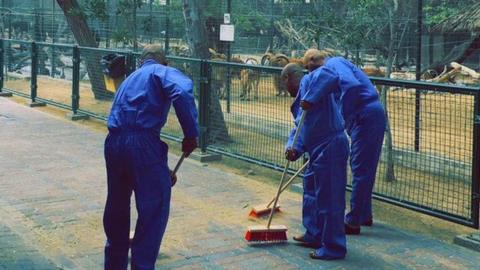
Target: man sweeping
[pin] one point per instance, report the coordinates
(136, 158)
(365, 123)
(326, 143)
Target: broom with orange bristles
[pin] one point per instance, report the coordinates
(274, 233)
(262, 209)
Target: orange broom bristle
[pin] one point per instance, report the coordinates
(260, 211)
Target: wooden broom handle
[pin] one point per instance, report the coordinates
(290, 181)
(295, 138)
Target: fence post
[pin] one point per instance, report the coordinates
(2, 69)
(33, 77)
(418, 103)
(476, 163)
(131, 66)
(167, 26)
(204, 101)
(74, 115)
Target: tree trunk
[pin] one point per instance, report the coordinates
(86, 38)
(196, 38)
(390, 170)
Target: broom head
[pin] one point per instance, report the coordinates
(262, 234)
(261, 210)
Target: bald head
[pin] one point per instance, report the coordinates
(314, 59)
(155, 52)
(292, 74)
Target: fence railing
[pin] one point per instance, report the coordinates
(430, 160)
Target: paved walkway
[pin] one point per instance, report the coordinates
(52, 193)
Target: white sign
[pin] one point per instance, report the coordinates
(227, 32)
(226, 18)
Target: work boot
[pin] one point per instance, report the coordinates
(368, 223)
(351, 230)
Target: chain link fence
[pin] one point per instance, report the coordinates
(430, 155)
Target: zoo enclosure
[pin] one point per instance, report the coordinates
(430, 160)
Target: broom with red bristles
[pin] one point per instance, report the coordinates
(262, 209)
(274, 233)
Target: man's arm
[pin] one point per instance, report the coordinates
(179, 89)
(323, 82)
(293, 152)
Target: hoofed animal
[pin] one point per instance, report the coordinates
(279, 60)
(220, 73)
(249, 79)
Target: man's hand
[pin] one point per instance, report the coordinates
(188, 145)
(306, 105)
(292, 154)
(173, 177)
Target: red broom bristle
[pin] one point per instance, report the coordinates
(266, 236)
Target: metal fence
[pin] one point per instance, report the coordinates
(430, 160)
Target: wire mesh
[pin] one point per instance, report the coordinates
(17, 66)
(248, 118)
(439, 175)
(55, 84)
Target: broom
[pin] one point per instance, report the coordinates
(260, 210)
(274, 233)
(175, 170)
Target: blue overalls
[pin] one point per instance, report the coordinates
(324, 139)
(136, 160)
(365, 122)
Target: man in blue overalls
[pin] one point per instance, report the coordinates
(136, 158)
(365, 122)
(326, 143)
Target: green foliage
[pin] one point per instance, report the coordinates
(436, 11)
(97, 9)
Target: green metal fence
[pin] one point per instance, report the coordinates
(430, 156)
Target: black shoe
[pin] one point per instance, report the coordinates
(368, 223)
(313, 255)
(351, 230)
(305, 243)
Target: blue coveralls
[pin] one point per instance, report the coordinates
(324, 139)
(365, 122)
(136, 160)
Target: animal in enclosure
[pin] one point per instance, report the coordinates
(279, 60)
(249, 79)
(220, 73)
(373, 71)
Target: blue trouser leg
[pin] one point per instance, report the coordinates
(152, 186)
(136, 161)
(116, 218)
(309, 209)
(366, 134)
(330, 173)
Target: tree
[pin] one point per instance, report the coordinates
(196, 38)
(85, 37)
